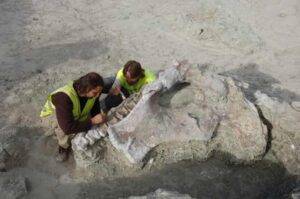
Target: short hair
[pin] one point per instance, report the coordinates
(88, 82)
(134, 68)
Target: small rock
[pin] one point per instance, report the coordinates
(162, 194)
(293, 146)
(243, 85)
(38, 71)
(282, 15)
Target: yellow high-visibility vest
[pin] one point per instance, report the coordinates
(148, 78)
(78, 114)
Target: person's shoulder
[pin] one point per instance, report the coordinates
(120, 77)
(60, 98)
(150, 74)
(120, 73)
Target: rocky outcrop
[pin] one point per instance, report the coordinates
(206, 108)
(284, 119)
(240, 132)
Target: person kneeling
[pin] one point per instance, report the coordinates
(77, 109)
(129, 79)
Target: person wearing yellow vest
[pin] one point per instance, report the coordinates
(76, 107)
(129, 79)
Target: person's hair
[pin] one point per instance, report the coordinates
(88, 82)
(134, 68)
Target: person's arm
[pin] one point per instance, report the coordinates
(125, 92)
(96, 108)
(63, 108)
(112, 86)
(108, 82)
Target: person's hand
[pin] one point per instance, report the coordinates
(99, 119)
(116, 90)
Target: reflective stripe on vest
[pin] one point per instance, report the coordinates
(49, 108)
(148, 78)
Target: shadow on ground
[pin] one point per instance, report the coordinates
(258, 80)
(211, 179)
(55, 54)
(36, 60)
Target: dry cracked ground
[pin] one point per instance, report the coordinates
(44, 44)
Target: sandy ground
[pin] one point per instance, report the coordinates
(46, 43)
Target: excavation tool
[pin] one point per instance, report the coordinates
(115, 85)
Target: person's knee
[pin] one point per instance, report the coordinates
(64, 141)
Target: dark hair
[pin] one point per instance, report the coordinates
(134, 68)
(88, 82)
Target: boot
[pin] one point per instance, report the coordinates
(62, 154)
